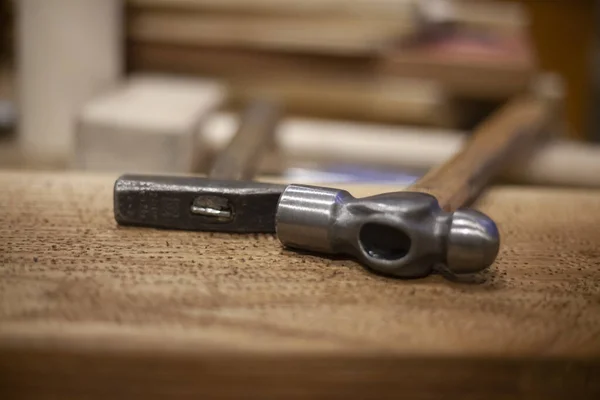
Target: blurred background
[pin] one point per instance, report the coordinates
(361, 90)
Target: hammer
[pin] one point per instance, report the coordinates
(403, 234)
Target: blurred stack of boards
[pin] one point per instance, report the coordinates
(368, 83)
(400, 61)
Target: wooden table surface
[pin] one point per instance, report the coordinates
(90, 309)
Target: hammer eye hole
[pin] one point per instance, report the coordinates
(384, 242)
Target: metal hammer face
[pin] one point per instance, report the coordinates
(402, 234)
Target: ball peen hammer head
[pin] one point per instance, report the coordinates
(402, 234)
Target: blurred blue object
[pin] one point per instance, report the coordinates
(341, 173)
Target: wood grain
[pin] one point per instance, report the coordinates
(90, 309)
(508, 134)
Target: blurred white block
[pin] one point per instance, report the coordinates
(68, 51)
(147, 125)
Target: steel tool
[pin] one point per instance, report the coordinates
(221, 202)
(404, 234)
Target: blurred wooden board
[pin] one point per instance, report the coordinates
(250, 73)
(7, 83)
(344, 28)
(394, 100)
(465, 68)
(242, 63)
(471, 64)
(320, 34)
(91, 309)
(388, 8)
(563, 35)
(494, 15)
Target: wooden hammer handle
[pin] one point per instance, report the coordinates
(513, 130)
(256, 132)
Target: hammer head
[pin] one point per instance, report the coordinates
(198, 204)
(403, 234)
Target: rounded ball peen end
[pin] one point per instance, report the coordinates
(473, 242)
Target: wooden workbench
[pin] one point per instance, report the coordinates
(89, 309)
